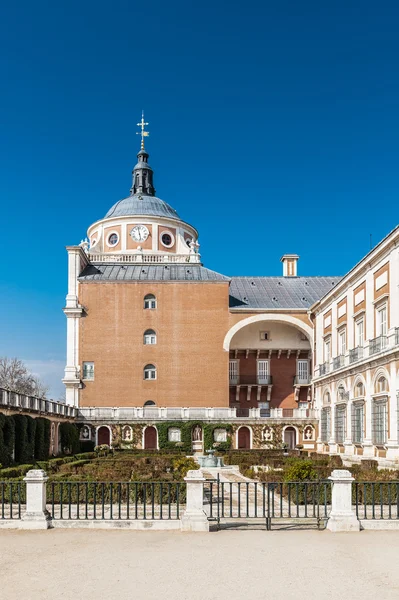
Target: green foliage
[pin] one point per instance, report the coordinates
(15, 472)
(186, 428)
(87, 446)
(25, 430)
(42, 438)
(69, 438)
(183, 464)
(301, 470)
(7, 440)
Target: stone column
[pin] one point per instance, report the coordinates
(36, 515)
(342, 516)
(194, 517)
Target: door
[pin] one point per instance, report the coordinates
(290, 438)
(244, 438)
(150, 438)
(263, 371)
(103, 436)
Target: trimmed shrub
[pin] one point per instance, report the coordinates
(69, 438)
(42, 438)
(7, 440)
(14, 472)
(87, 446)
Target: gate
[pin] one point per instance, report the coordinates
(297, 502)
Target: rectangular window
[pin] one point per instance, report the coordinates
(340, 424)
(88, 370)
(359, 333)
(303, 371)
(325, 431)
(357, 423)
(382, 321)
(342, 342)
(327, 350)
(263, 371)
(380, 422)
(233, 371)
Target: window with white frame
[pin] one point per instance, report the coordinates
(327, 350)
(357, 422)
(382, 385)
(340, 423)
(263, 371)
(380, 421)
(326, 398)
(150, 302)
(359, 332)
(88, 370)
(359, 389)
(382, 320)
(150, 372)
(150, 337)
(342, 342)
(302, 370)
(234, 370)
(325, 429)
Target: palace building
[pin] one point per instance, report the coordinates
(154, 336)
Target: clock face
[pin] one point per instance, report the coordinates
(139, 233)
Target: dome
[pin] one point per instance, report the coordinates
(141, 204)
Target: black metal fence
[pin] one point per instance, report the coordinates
(12, 498)
(376, 499)
(131, 500)
(268, 500)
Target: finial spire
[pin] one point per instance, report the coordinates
(143, 132)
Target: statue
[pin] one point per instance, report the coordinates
(127, 434)
(197, 434)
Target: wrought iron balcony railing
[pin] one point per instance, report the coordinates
(338, 362)
(356, 354)
(324, 368)
(301, 380)
(251, 380)
(378, 344)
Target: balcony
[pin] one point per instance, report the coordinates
(397, 336)
(324, 368)
(251, 380)
(338, 362)
(301, 380)
(10, 399)
(378, 344)
(356, 354)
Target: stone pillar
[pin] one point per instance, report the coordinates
(36, 515)
(342, 516)
(194, 517)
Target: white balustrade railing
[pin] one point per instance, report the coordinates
(109, 257)
(11, 399)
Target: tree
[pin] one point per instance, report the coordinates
(14, 376)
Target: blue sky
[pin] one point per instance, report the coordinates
(274, 128)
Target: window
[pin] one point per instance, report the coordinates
(326, 398)
(263, 371)
(233, 371)
(382, 385)
(340, 424)
(150, 302)
(264, 335)
(88, 370)
(327, 350)
(359, 333)
(174, 434)
(382, 321)
(342, 396)
(150, 337)
(380, 422)
(150, 372)
(149, 403)
(359, 390)
(113, 239)
(188, 241)
(342, 342)
(167, 239)
(325, 430)
(357, 423)
(303, 370)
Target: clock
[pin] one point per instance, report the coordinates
(139, 233)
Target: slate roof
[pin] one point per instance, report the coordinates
(141, 204)
(279, 292)
(112, 272)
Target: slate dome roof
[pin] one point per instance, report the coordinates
(142, 204)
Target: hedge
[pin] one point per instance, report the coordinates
(69, 438)
(23, 439)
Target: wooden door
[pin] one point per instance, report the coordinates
(103, 436)
(244, 438)
(150, 438)
(290, 437)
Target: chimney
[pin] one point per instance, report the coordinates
(290, 265)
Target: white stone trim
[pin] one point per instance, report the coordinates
(109, 235)
(143, 436)
(110, 433)
(250, 435)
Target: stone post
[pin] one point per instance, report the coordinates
(342, 516)
(194, 517)
(36, 515)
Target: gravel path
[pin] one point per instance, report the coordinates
(107, 565)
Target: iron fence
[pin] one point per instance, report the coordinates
(376, 499)
(12, 499)
(267, 500)
(132, 500)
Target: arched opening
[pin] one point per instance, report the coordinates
(381, 385)
(244, 438)
(150, 302)
(150, 372)
(290, 437)
(103, 436)
(149, 403)
(150, 438)
(150, 337)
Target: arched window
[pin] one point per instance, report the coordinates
(150, 372)
(149, 403)
(341, 393)
(382, 385)
(359, 390)
(150, 337)
(150, 302)
(326, 398)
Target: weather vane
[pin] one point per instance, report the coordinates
(143, 132)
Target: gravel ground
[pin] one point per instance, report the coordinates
(97, 565)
